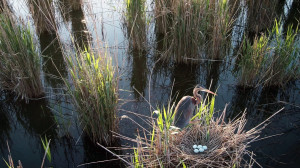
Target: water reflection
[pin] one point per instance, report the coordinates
(185, 77)
(53, 61)
(213, 74)
(293, 16)
(36, 118)
(139, 76)
(79, 28)
(94, 153)
(6, 122)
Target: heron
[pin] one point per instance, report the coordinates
(186, 106)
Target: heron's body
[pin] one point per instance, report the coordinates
(186, 106)
(184, 111)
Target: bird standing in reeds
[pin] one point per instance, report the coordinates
(186, 106)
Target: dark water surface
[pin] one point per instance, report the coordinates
(23, 125)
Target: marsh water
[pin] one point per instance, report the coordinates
(144, 81)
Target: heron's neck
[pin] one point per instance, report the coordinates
(198, 99)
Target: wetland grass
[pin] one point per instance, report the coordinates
(271, 60)
(285, 59)
(192, 27)
(94, 91)
(19, 58)
(136, 24)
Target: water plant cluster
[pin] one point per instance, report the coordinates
(271, 59)
(19, 58)
(193, 27)
(94, 91)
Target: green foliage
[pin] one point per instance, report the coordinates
(193, 26)
(19, 59)
(94, 90)
(205, 112)
(136, 24)
(46, 147)
(271, 59)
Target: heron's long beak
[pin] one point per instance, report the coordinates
(208, 91)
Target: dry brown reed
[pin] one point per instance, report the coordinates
(43, 14)
(226, 143)
(261, 15)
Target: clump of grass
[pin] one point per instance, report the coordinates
(19, 58)
(285, 61)
(271, 60)
(168, 147)
(94, 91)
(136, 24)
(194, 26)
(252, 59)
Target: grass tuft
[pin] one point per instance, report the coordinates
(271, 60)
(94, 91)
(19, 58)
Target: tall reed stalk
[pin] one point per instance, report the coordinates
(94, 91)
(19, 58)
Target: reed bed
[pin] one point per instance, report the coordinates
(136, 24)
(271, 60)
(94, 91)
(194, 26)
(19, 58)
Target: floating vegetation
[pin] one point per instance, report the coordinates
(94, 91)
(19, 59)
(192, 27)
(271, 60)
(136, 24)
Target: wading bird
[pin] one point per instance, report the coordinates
(186, 106)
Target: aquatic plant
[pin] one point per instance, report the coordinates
(284, 61)
(136, 24)
(94, 91)
(271, 60)
(19, 58)
(194, 26)
(252, 59)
